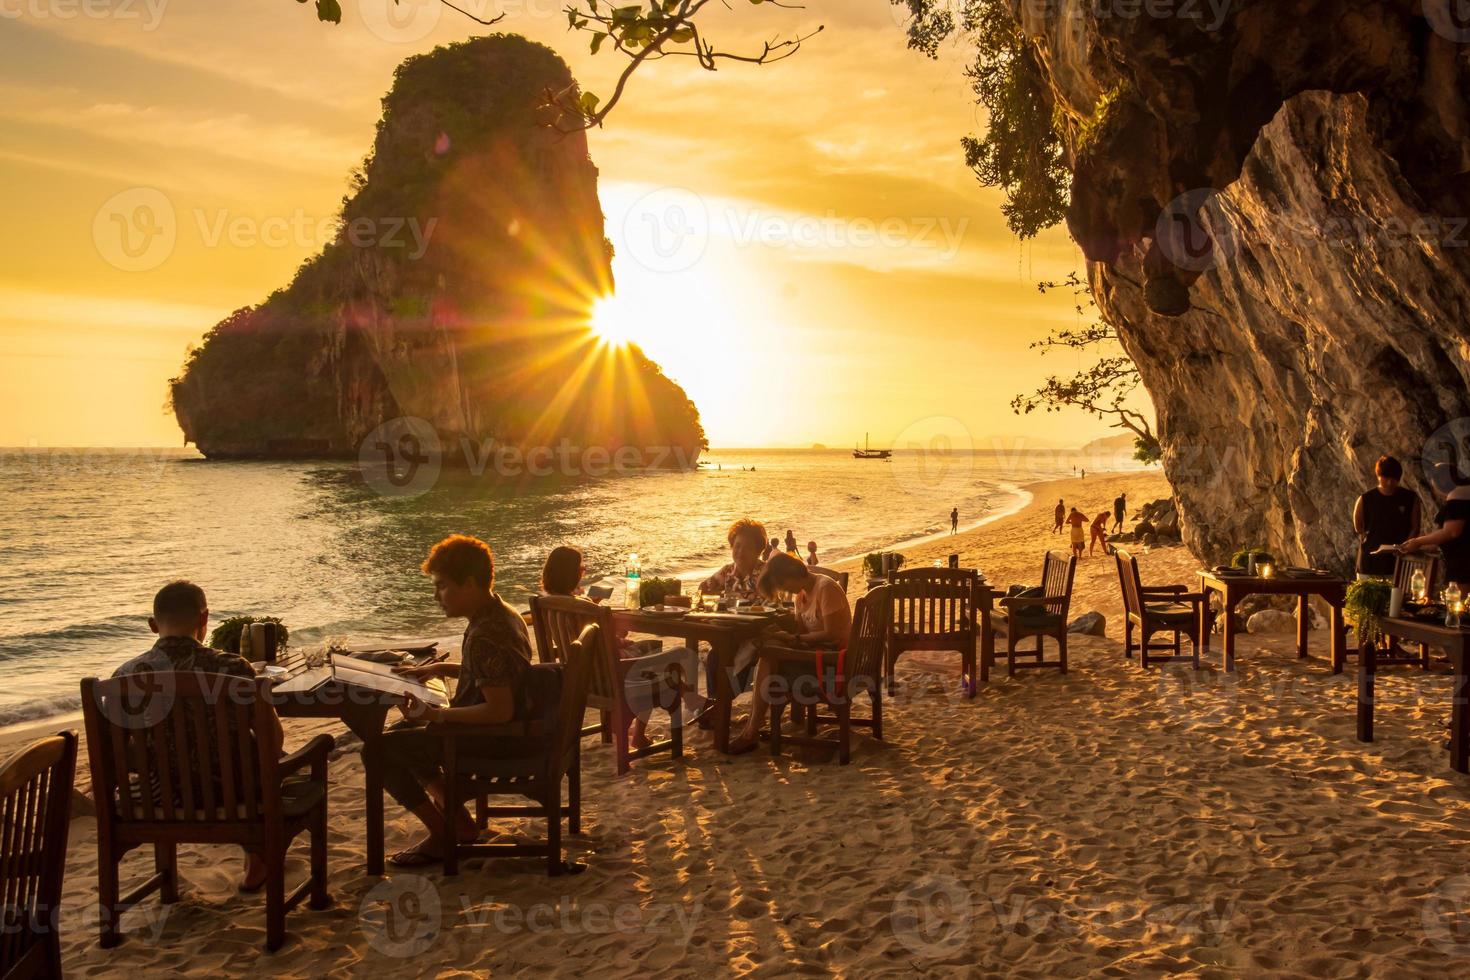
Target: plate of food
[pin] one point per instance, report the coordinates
(669, 612)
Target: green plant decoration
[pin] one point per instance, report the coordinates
(873, 563)
(1365, 606)
(226, 635)
(653, 591)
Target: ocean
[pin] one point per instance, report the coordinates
(89, 535)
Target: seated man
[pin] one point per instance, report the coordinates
(494, 661)
(181, 620)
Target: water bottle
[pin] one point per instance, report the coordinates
(1453, 605)
(1418, 586)
(635, 581)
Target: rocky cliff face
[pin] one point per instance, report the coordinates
(458, 292)
(1272, 196)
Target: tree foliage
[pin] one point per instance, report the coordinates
(1020, 152)
(1101, 390)
(639, 33)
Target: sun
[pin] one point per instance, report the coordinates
(612, 322)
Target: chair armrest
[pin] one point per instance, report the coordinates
(1163, 589)
(310, 754)
(1025, 602)
(513, 729)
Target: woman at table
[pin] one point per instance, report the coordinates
(740, 579)
(737, 581)
(1387, 514)
(562, 576)
(823, 621)
(1450, 535)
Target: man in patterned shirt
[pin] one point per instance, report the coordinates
(181, 621)
(494, 661)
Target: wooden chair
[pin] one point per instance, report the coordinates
(841, 578)
(844, 676)
(35, 815)
(176, 759)
(933, 609)
(1404, 568)
(527, 759)
(1158, 609)
(1044, 615)
(618, 685)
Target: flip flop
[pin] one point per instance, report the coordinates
(414, 858)
(742, 746)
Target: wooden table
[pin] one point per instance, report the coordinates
(365, 713)
(724, 636)
(1453, 642)
(1234, 588)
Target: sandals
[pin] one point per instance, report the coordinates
(415, 857)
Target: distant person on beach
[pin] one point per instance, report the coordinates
(1078, 521)
(811, 553)
(1061, 514)
(562, 576)
(791, 548)
(1451, 537)
(773, 547)
(1120, 511)
(1099, 533)
(495, 660)
(954, 521)
(1387, 514)
(181, 621)
(823, 619)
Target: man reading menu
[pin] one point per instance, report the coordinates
(494, 661)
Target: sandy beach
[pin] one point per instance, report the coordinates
(1112, 820)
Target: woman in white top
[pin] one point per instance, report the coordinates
(823, 619)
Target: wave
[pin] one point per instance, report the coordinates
(36, 709)
(21, 645)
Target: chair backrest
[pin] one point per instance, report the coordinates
(1406, 565)
(1056, 582)
(181, 748)
(932, 602)
(1130, 582)
(841, 578)
(869, 633)
(576, 672)
(559, 620)
(35, 811)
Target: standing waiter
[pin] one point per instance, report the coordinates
(1387, 514)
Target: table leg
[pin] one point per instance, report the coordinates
(1204, 622)
(1303, 625)
(1367, 675)
(367, 723)
(724, 654)
(1231, 622)
(987, 646)
(1339, 637)
(1460, 715)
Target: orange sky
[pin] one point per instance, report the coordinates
(800, 245)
